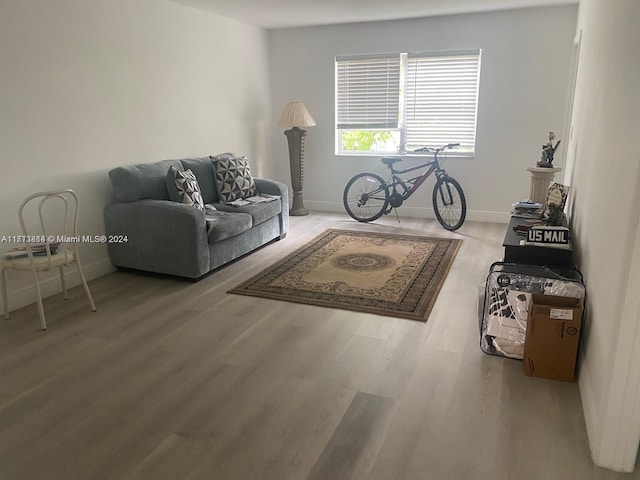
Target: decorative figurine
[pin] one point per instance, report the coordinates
(555, 215)
(556, 200)
(548, 150)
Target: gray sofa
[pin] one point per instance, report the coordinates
(173, 238)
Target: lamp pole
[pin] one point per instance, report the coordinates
(295, 138)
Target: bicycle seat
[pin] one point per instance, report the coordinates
(390, 160)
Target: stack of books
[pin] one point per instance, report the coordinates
(38, 251)
(527, 209)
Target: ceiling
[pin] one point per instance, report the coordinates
(296, 13)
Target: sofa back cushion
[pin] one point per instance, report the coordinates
(203, 170)
(135, 182)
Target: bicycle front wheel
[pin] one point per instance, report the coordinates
(366, 197)
(449, 203)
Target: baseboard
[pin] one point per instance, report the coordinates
(589, 408)
(415, 212)
(51, 286)
(490, 217)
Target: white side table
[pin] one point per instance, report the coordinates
(541, 178)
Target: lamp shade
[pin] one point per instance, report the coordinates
(296, 115)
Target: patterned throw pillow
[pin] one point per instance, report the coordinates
(188, 188)
(233, 178)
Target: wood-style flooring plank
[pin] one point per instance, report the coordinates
(353, 447)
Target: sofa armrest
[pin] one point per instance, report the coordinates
(272, 187)
(162, 236)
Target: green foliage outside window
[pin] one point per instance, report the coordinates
(365, 140)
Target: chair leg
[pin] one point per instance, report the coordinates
(86, 287)
(39, 294)
(64, 284)
(5, 300)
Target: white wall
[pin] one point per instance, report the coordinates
(605, 152)
(523, 92)
(86, 86)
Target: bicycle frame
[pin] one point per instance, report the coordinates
(410, 185)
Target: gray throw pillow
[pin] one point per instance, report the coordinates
(233, 178)
(187, 187)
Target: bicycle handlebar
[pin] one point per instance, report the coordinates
(435, 150)
(423, 149)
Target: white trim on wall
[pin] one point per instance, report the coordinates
(414, 212)
(566, 157)
(51, 286)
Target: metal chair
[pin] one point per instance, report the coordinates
(45, 251)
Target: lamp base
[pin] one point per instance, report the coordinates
(297, 208)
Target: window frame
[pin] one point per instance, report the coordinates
(403, 101)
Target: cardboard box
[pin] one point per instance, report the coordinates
(553, 336)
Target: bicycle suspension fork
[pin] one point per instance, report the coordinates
(445, 193)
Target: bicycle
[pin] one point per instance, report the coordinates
(368, 196)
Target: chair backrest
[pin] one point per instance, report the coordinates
(47, 240)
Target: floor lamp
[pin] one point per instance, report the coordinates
(295, 115)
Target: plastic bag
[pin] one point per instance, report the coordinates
(506, 301)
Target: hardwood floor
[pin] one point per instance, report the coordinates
(177, 380)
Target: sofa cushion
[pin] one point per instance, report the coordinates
(204, 172)
(233, 178)
(136, 182)
(223, 225)
(260, 212)
(187, 187)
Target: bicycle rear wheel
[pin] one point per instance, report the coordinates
(366, 197)
(449, 203)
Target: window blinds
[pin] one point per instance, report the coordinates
(367, 92)
(442, 99)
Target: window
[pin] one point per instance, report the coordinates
(399, 102)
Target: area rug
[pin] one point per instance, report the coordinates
(381, 273)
